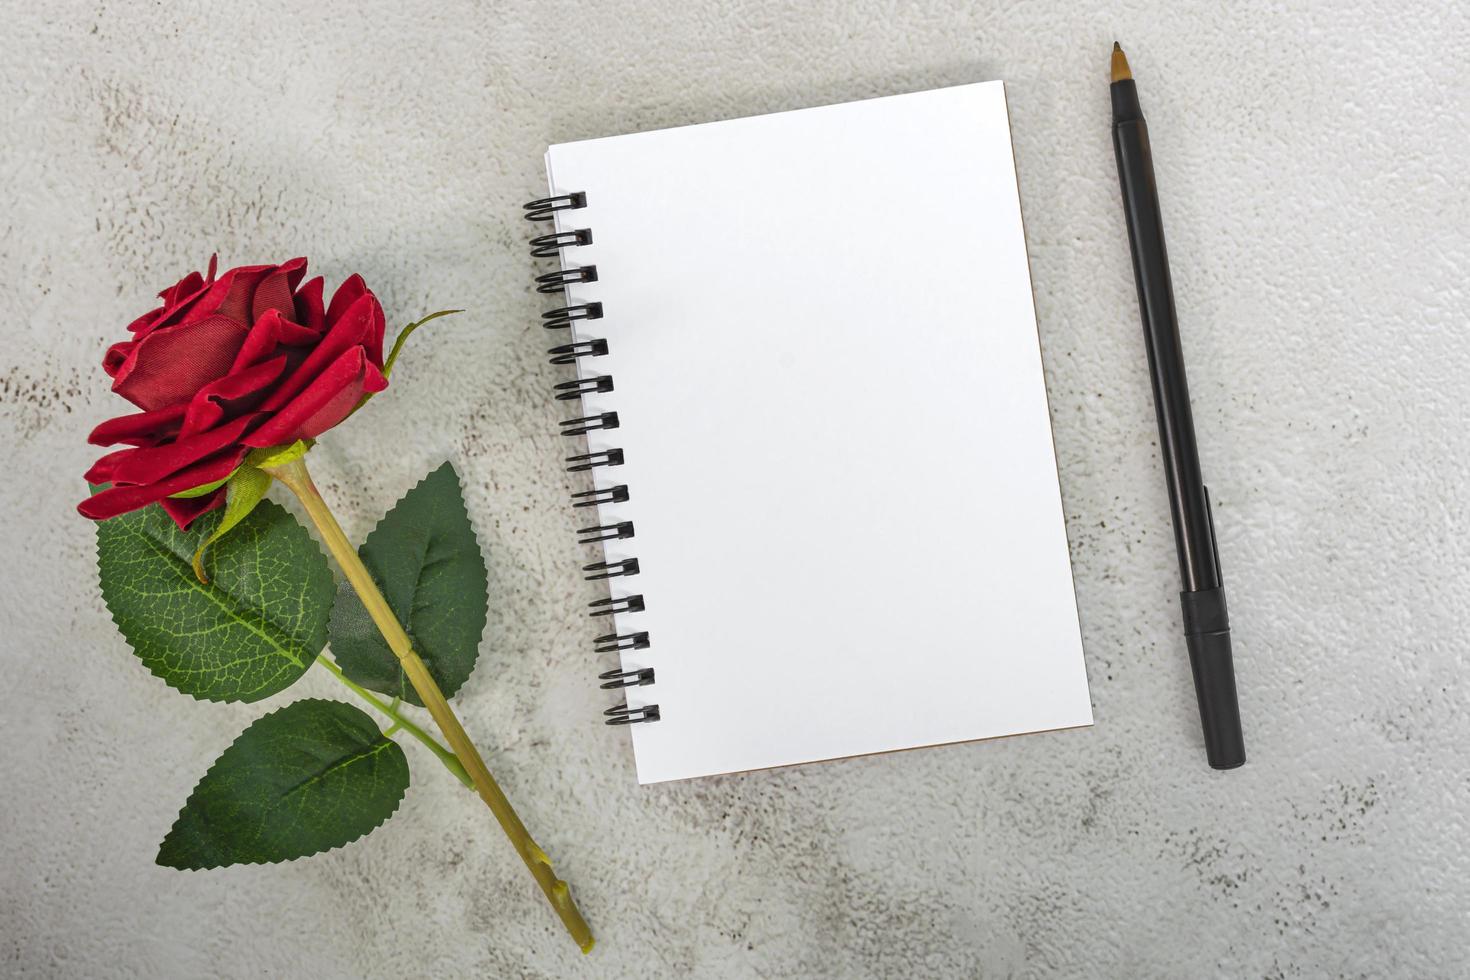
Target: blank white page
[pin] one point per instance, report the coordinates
(834, 422)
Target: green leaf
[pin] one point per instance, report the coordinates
(310, 777)
(246, 488)
(250, 633)
(426, 560)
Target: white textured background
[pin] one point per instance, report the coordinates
(1312, 162)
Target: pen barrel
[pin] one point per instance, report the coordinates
(1206, 621)
(1207, 632)
(1189, 505)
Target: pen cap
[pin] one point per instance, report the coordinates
(1207, 632)
(1219, 712)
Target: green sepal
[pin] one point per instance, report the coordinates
(310, 777)
(245, 489)
(272, 456)
(201, 490)
(250, 633)
(403, 335)
(426, 559)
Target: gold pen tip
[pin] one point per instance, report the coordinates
(1121, 71)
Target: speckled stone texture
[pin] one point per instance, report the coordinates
(1312, 161)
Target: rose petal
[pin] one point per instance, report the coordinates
(186, 286)
(142, 429)
(121, 499)
(185, 510)
(151, 464)
(274, 291)
(309, 310)
(350, 330)
(329, 399)
(347, 296)
(178, 304)
(351, 290)
(270, 333)
(231, 295)
(102, 470)
(374, 342)
(146, 320)
(171, 364)
(260, 342)
(117, 356)
(232, 395)
(216, 291)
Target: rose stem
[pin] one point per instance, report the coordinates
(295, 477)
(450, 760)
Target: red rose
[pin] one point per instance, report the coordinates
(226, 365)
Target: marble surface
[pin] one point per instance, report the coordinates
(1311, 159)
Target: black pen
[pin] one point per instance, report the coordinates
(1206, 623)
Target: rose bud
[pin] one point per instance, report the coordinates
(250, 359)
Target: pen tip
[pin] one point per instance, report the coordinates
(1121, 71)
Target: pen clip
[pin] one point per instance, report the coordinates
(1214, 542)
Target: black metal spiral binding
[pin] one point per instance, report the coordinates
(612, 642)
(626, 678)
(624, 715)
(553, 246)
(567, 353)
(587, 461)
(603, 495)
(590, 423)
(605, 532)
(545, 209)
(570, 390)
(550, 246)
(563, 316)
(557, 282)
(610, 569)
(615, 604)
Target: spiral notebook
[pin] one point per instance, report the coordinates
(818, 471)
